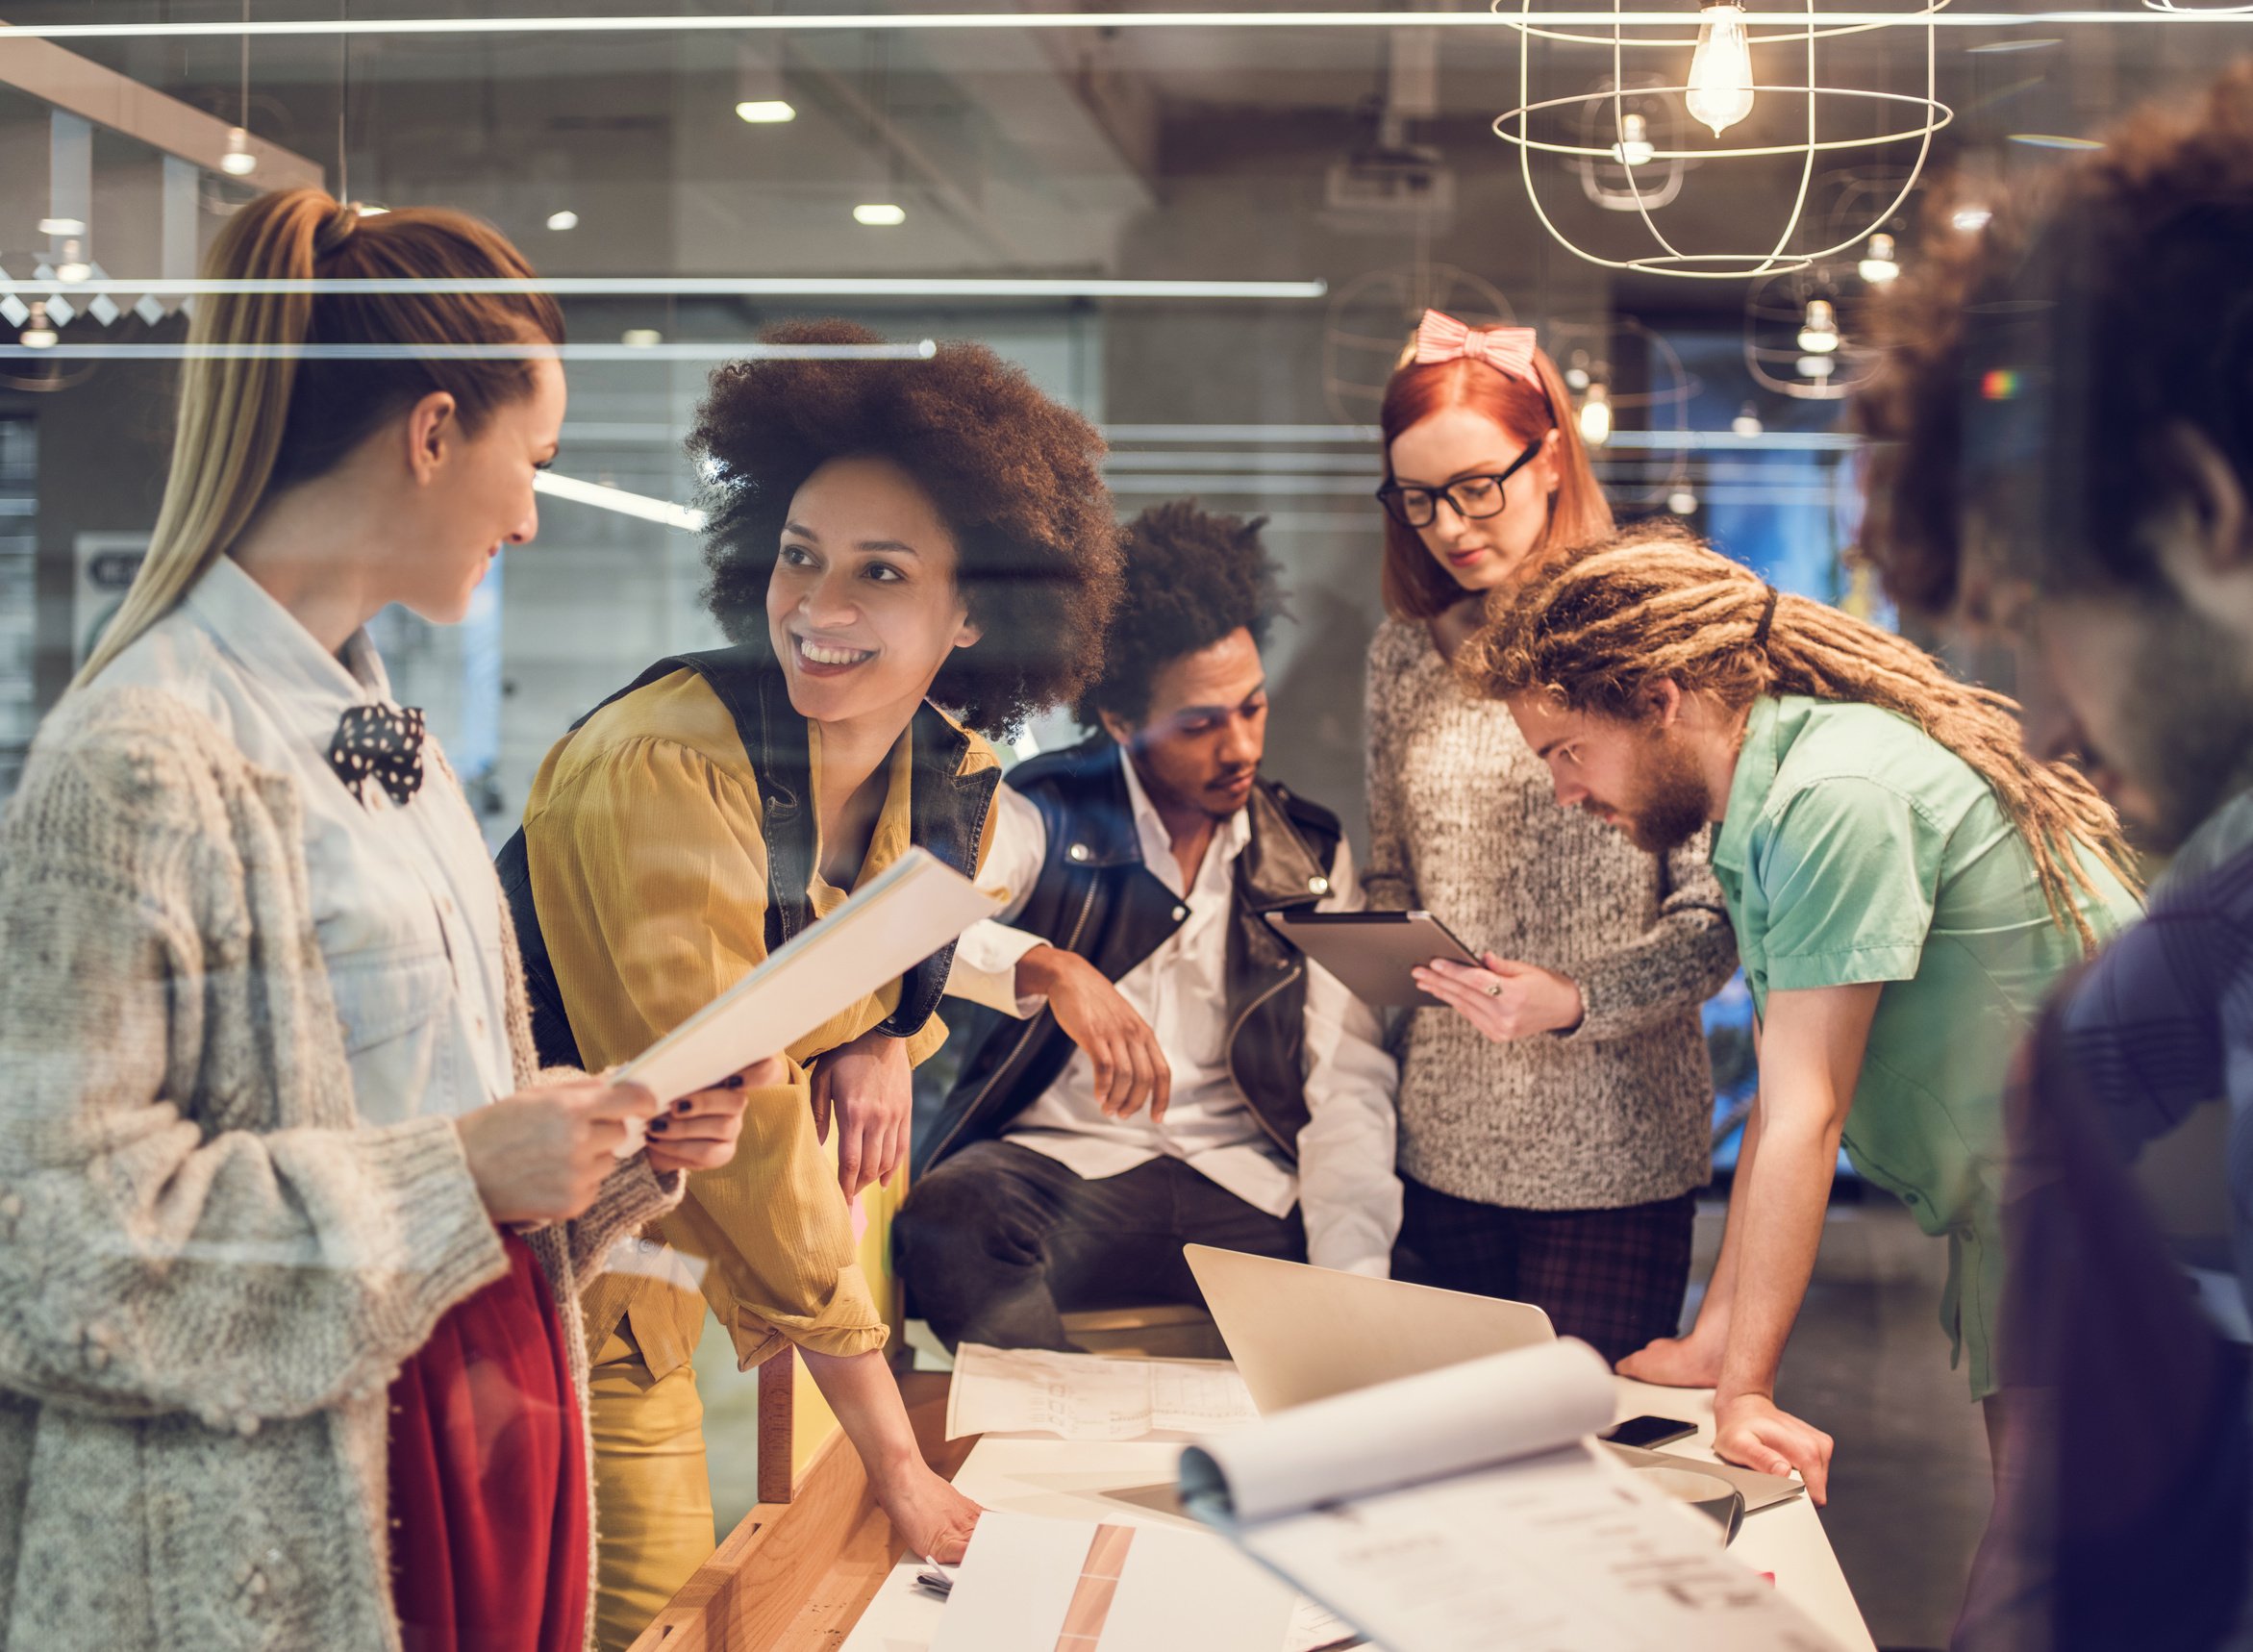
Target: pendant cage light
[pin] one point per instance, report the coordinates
(1804, 327)
(1629, 177)
(1719, 86)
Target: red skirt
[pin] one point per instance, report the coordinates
(488, 1482)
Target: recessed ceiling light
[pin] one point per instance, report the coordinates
(765, 111)
(879, 215)
(63, 226)
(567, 219)
(1970, 219)
(641, 337)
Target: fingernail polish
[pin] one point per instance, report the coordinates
(734, 1080)
(657, 1126)
(682, 1105)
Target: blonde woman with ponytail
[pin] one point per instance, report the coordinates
(1905, 884)
(291, 1231)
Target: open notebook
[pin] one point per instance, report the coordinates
(892, 923)
(1467, 1509)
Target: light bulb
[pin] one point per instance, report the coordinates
(1819, 334)
(1970, 219)
(1719, 94)
(1879, 266)
(764, 112)
(238, 162)
(1635, 147)
(63, 226)
(72, 264)
(1682, 501)
(1746, 423)
(567, 219)
(879, 215)
(1816, 366)
(38, 332)
(1595, 416)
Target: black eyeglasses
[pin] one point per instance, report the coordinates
(1471, 496)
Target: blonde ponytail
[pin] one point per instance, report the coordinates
(255, 420)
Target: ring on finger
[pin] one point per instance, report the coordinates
(1493, 988)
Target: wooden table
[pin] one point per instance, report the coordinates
(803, 1576)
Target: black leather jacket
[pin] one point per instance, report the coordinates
(1096, 898)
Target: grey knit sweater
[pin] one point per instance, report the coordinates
(209, 1269)
(1464, 823)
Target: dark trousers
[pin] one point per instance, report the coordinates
(1613, 1278)
(998, 1243)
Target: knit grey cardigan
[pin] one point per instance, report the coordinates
(209, 1270)
(1463, 821)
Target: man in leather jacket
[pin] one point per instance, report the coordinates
(1241, 1099)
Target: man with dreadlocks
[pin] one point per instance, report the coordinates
(1905, 884)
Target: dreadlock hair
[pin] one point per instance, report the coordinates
(1601, 627)
(1193, 577)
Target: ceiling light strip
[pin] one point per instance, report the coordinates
(704, 286)
(890, 21)
(602, 497)
(716, 351)
(1809, 441)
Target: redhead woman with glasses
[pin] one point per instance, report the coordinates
(1554, 1104)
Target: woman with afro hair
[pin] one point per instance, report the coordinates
(887, 537)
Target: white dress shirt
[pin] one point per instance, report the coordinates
(1344, 1174)
(404, 900)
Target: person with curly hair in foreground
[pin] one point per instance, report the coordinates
(1906, 885)
(886, 537)
(2063, 436)
(1225, 1089)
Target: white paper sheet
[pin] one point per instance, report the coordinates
(912, 908)
(1559, 1553)
(1026, 1582)
(1440, 1423)
(1085, 1396)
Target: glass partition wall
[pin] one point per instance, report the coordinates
(1210, 233)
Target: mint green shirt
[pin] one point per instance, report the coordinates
(1858, 848)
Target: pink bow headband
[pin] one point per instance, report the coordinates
(1441, 338)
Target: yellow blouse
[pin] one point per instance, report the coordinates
(649, 872)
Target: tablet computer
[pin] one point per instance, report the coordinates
(1374, 953)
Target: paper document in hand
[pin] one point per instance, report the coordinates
(1030, 1584)
(908, 911)
(1085, 1396)
(1467, 1509)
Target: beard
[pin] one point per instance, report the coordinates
(1671, 805)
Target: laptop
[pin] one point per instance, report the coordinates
(1299, 1334)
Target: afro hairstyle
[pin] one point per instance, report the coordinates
(1193, 577)
(1017, 478)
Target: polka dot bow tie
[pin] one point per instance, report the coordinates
(382, 743)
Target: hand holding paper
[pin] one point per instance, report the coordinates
(907, 913)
